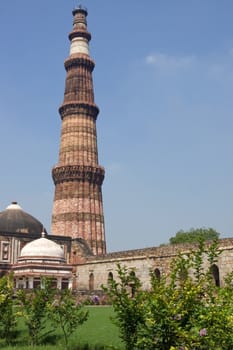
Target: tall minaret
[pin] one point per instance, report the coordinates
(78, 206)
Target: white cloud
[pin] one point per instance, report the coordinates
(217, 67)
(151, 59)
(168, 62)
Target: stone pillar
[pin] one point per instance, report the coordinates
(59, 280)
(70, 285)
(30, 282)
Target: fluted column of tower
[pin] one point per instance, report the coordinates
(78, 205)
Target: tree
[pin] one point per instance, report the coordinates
(33, 307)
(45, 309)
(195, 235)
(66, 313)
(126, 297)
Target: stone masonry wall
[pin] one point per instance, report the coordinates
(142, 261)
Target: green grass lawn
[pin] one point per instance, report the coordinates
(98, 332)
(99, 329)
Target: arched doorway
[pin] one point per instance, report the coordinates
(215, 274)
(132, 283)
(157, 274)
(91, 281)
(110, 277)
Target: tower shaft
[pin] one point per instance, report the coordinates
(78, 205)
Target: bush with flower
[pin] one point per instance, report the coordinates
(182, 311)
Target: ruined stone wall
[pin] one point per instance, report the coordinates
(95, 271)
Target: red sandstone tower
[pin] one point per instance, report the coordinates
(78, 206)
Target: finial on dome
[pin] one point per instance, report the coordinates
(43, 234)
(13, 205)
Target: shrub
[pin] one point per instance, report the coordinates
(7, 312)
(33, 307)
(182, 311)
(65, 313)
(126, 296)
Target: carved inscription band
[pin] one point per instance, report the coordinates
(88, 173)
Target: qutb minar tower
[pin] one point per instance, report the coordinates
(78, 205)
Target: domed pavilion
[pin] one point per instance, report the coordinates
(42, 258)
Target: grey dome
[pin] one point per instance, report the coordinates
(14, 220)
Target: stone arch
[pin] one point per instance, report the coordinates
(215, 274)
(132, 273)
(157, 274)
(131, 285)
(91, 281)
(110, 277)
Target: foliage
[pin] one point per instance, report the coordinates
(65, 313)
(33, 307)
(45, 314)
(8, 317)
(98, 333)
(182, 311)
(126, 297)
(194, 235)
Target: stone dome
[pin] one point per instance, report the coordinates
(42, 247)
(14, 220)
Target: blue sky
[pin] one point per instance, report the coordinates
(163, 83)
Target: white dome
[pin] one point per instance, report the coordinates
(42, 247)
